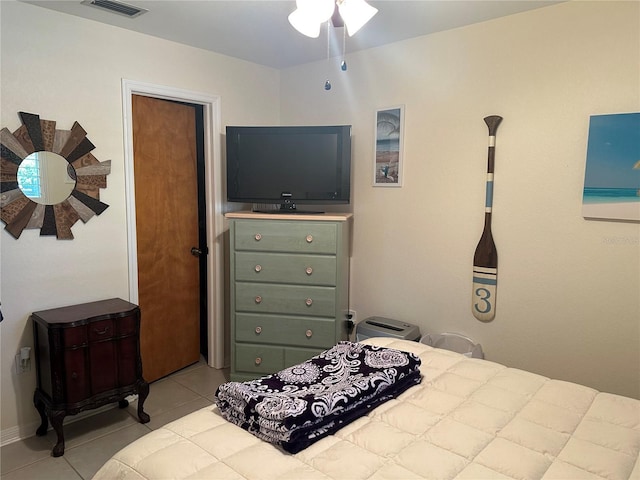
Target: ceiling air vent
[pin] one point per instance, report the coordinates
(120, 8)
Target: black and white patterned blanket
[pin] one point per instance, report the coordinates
(300, 405)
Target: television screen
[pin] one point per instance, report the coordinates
(289, 165)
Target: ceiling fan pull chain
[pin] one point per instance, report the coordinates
(327, 83)
(343, 65)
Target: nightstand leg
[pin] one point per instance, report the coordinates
(143, 393)
(44, 421)
(56, 418)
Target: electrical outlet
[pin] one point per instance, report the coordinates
(22, 365)
(18, 366)
(351, 315)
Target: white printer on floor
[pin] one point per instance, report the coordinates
(386, 327)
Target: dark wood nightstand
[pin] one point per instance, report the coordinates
(87, 355)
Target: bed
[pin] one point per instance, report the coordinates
(467, 419)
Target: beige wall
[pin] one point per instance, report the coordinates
(568, 300)
(66, 69)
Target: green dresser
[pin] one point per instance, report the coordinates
(289, 281)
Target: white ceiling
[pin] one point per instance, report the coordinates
(258, 30)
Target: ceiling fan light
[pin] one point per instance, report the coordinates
(319, 10)
(355, 13)
(304, 23)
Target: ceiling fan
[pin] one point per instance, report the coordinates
(311, 14)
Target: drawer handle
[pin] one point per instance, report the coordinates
(308, 270)
(258, 330)
(258, 268)
(258, 237)
(258, 299)
(74, 375)
(309, 238)
(308, 302)
(309, 333)
(258, 360)
(100, 332)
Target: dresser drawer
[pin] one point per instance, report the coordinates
(286, 268)
(260, 359)
(274, 329)
(294, 356)
(290, 299)
(295, 237)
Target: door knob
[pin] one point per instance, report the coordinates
(196, 252)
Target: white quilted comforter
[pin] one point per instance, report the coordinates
(468, 419)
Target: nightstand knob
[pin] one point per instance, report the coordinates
(309, 238)
(308, 270)
(258, 237)
(258, 299)
(258, 268)
(258, 330)
(308, 302)
(74, 375)
(258, 360)
(309, 333)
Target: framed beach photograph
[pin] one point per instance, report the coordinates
(389, 128)
(612, 174)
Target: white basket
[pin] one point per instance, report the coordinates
(454, 342)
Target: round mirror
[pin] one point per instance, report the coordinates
(46, 177)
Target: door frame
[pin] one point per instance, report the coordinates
(213, 197)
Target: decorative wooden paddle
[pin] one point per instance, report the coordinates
(485, 259)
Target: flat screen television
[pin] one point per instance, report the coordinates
(289, 165)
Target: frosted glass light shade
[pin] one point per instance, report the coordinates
(355, 14)
(319, 10)
(310, 14)
(305, 24)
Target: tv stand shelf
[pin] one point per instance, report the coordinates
(289, 288)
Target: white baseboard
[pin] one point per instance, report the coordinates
(17, 433)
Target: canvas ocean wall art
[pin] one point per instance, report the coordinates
(612, 175)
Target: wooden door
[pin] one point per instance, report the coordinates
(166, 193)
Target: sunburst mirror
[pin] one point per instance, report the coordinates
(49, 179)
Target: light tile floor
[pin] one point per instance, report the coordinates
(91, 441)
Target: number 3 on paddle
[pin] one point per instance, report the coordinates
(483, 296)
(485, 259)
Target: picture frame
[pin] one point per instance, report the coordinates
(612, 173)
(388, 168)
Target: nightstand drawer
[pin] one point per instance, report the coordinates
(101, 330)
(295, 331)
(74, 337)
(286, 268)
(127, 325)
(259, 359)
(292, 299)
(295, 237)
